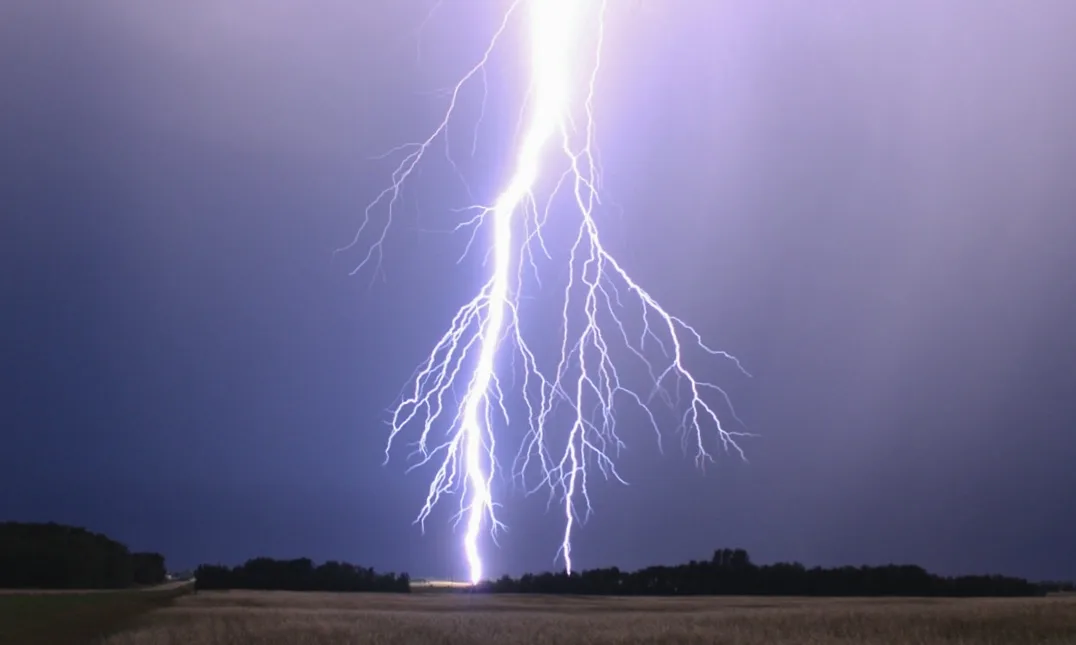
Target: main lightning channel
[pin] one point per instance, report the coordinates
(585, 376)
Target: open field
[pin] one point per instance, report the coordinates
(280, 618)
(59, 617)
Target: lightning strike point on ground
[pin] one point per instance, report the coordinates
(485, 349)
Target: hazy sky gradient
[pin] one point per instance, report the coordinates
(871, 204)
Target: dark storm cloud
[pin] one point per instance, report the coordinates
(869, 203)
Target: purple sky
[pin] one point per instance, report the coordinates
(870, 204)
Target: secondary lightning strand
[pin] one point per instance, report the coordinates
(585, 379)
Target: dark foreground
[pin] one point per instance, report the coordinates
(77, 617)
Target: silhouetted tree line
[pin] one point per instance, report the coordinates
(56, 556)
(299, 575)
(731, 572)
(148, 568)
(1058, 586)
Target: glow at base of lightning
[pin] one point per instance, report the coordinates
(461, 436)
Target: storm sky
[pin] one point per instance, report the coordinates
(871, 204)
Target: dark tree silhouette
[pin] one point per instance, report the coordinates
(56, 556)
(728, 572)
(148, 568)
(731, 572)
(299, 575)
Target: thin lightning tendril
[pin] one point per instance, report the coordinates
(488, 326)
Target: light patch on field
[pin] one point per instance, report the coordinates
(439, 584)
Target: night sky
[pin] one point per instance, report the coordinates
(871, 204)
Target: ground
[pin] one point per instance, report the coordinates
(279, 618)
(59, 617)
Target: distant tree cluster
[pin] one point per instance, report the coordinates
(1058, 586)
(55, 556)
(299, 575)
(148, 568)
(38, 555)
(731, 572)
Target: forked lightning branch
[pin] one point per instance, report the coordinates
(456, 410)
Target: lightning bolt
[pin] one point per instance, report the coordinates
(557, 122)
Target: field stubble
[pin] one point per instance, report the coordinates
(279, 618)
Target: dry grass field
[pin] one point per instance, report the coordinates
(281, 618)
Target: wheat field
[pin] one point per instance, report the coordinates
(283, 618)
